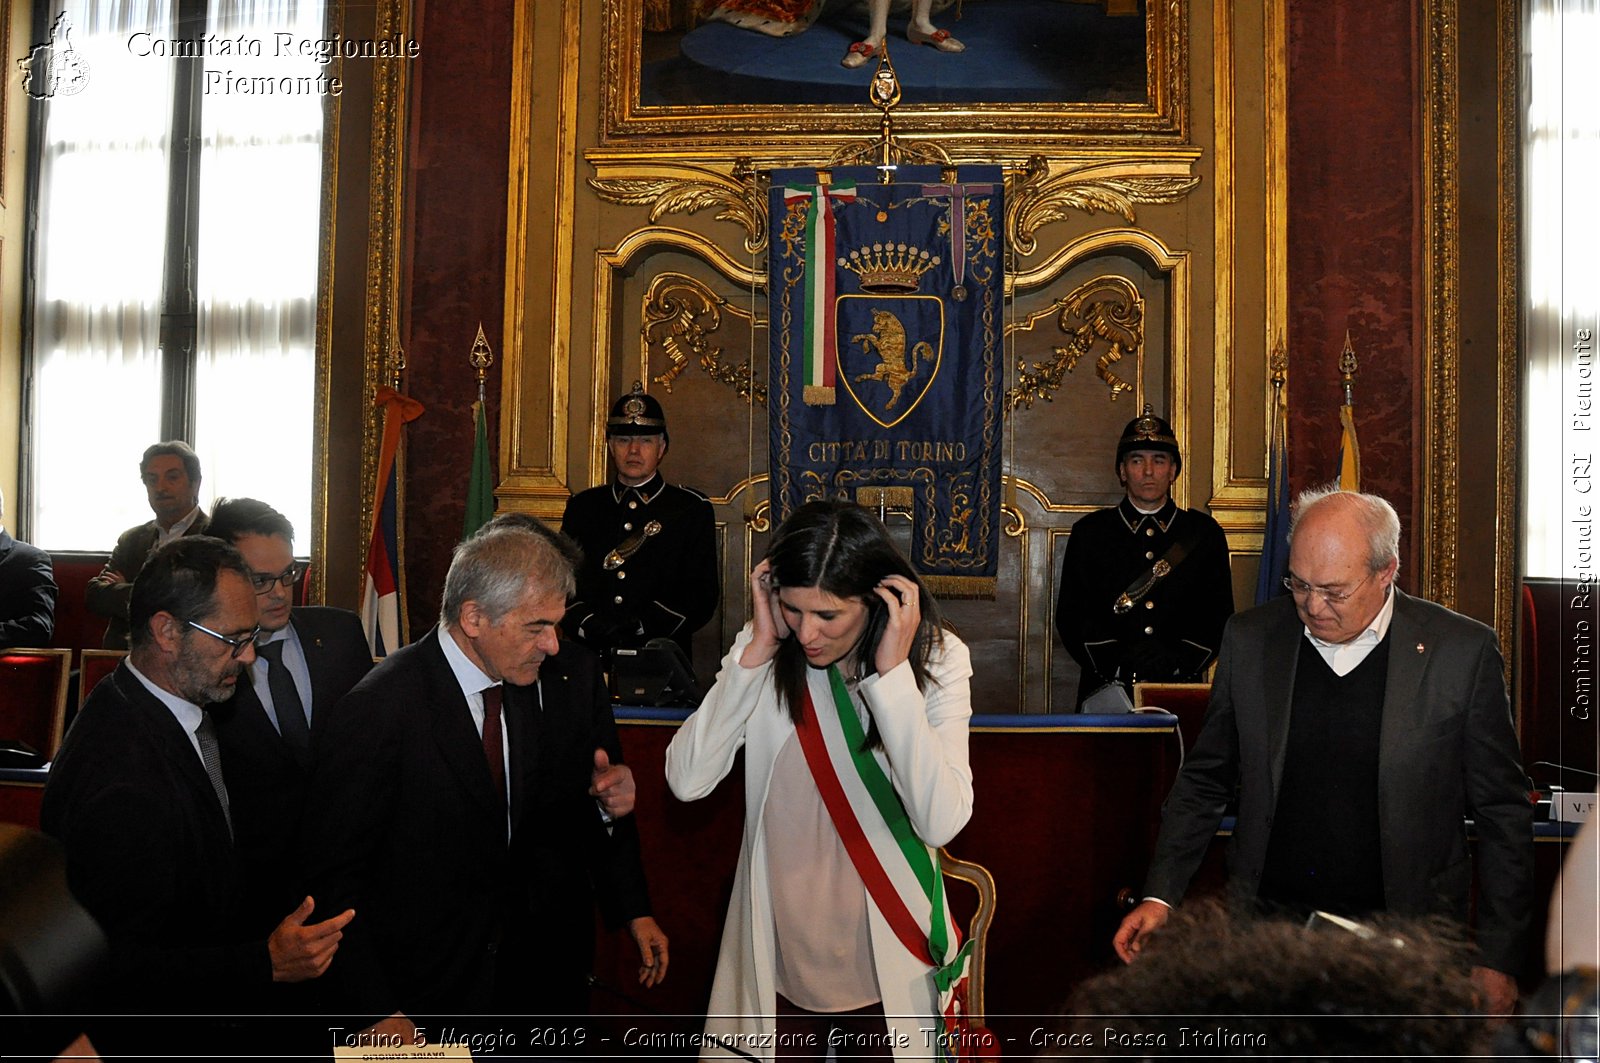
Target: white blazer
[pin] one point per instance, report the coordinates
(925, 756)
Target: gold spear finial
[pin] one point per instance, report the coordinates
(884, 93)
(1347, 369)
(1279, 364)
(481, 358)
(397, 353)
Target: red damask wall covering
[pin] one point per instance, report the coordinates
(457, 174)
(1353, 243)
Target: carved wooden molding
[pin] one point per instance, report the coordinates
(735, 194)
(1046, 192)
(1106, 313)
(680, 316)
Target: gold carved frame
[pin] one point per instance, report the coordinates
(1164, 116)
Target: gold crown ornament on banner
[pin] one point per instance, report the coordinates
(889, 267)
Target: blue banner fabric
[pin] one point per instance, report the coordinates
(886, 347)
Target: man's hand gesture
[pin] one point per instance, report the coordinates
(300, 951)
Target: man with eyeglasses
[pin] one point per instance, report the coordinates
(1360, 727)
(307, 658)
(138, 799)
(1145, 585)
(170, 473)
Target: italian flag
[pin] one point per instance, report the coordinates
(817, 336)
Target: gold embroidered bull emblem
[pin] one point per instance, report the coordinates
(896, 366)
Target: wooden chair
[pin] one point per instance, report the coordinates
(33, 696)
(1186, 701)
(93, 666)
(978, 877)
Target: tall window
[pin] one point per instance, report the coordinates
(1561, 155)
(175, 258)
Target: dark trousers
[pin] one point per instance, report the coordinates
(861, 1034)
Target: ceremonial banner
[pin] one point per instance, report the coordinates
(1275, 539)
(381, 612)
(886, 373)
(480, 485)
(1349, 451)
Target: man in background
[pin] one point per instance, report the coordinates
(1145, 587)
(27, 591)
(170, 472)
(307, 658)
(649, 547)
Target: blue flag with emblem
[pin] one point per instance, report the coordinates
(886, 347)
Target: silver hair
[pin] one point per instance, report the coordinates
(1377, 516)
(499, 568)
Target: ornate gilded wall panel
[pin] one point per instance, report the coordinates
(1116, 264)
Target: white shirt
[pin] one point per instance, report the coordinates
(166, 535)
(473, 682)
(188, 714)
(1343, 657)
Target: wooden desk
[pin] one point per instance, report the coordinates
(1064, 815)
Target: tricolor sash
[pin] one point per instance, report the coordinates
(901, 873)
(820, 367)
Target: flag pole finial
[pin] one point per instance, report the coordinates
(884, 93)
(481, 357)
(1347, 370)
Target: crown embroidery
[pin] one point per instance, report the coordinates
(889, 267)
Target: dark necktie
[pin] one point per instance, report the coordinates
(285, 699)
(211, 756)
(491, 740)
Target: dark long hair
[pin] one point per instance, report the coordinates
(842, 549)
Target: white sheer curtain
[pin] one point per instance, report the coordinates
(260, 201)
(97, 311)
(1561, 156)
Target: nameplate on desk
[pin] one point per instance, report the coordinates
(1569, 806)
(381, 1046)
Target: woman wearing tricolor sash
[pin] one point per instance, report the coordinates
(851, 703)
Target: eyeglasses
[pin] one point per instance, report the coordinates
(263, 581)
(239, 644)
(1301, 589)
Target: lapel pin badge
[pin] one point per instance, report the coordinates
(1419, 647)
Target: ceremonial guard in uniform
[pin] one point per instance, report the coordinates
(650, 563)
(1145, 588)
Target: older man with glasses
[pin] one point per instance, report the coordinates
(138, 799)
(307, 658)
(1361, 728)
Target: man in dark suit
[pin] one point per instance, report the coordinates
(137, 798)
(170, 472)
(468, 798)
(649, 547)
(307, 658)
(1359, 725)
(27, 591)
(1145, 586)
